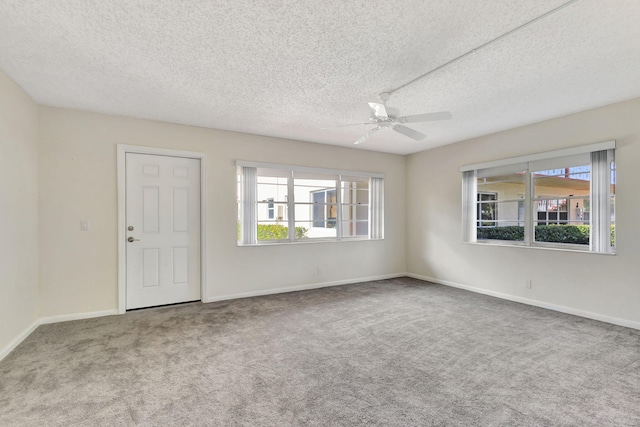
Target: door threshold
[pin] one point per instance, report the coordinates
(162, 306)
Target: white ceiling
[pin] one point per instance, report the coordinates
(291, 68)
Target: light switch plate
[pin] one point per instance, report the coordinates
(84, 225)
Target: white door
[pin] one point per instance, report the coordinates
(163, 230)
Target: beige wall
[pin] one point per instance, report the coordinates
(608, 286)
(59, 166)
(18, 212)
(77, 155)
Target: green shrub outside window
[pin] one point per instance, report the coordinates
(276, 232)
(574, 234)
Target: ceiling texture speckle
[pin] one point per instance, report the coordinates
(294, 69)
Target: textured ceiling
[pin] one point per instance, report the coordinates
(292, 68)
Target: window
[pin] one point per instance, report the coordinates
(487, 209)
(316, 204)
(270, 208)
(284, 204)
(563, 199)
(325, 211)
(355, 199)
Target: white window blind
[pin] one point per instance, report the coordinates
(469, 181)
(376, 202)
(600, 232)
(248, 217)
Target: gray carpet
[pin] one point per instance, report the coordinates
(398, 352)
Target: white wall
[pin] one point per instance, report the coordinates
(58, 166)
(18, 213)
(77, 157)
(607, 286)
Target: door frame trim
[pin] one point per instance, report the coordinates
(122, 150)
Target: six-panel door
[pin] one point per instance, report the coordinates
(163, 230)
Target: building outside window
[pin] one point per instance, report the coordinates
(324, 210)
(270, 208)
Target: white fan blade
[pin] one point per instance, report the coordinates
(379, 110)
(427, 117)
(366, 136)
(413, 134)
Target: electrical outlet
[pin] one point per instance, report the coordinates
(318, 270)
(527, 283)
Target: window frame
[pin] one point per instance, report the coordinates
(271, 212)
(481, 202)
(247, 203)
(326, 218)
(598, 155)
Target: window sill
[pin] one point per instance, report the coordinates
(304, 242)
(546, 248)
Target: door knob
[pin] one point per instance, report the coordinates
(131, 239)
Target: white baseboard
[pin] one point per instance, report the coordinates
(17, 340)
(537, 303)
(302, 287)
(76, 316)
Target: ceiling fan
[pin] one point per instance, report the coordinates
(381, 117)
